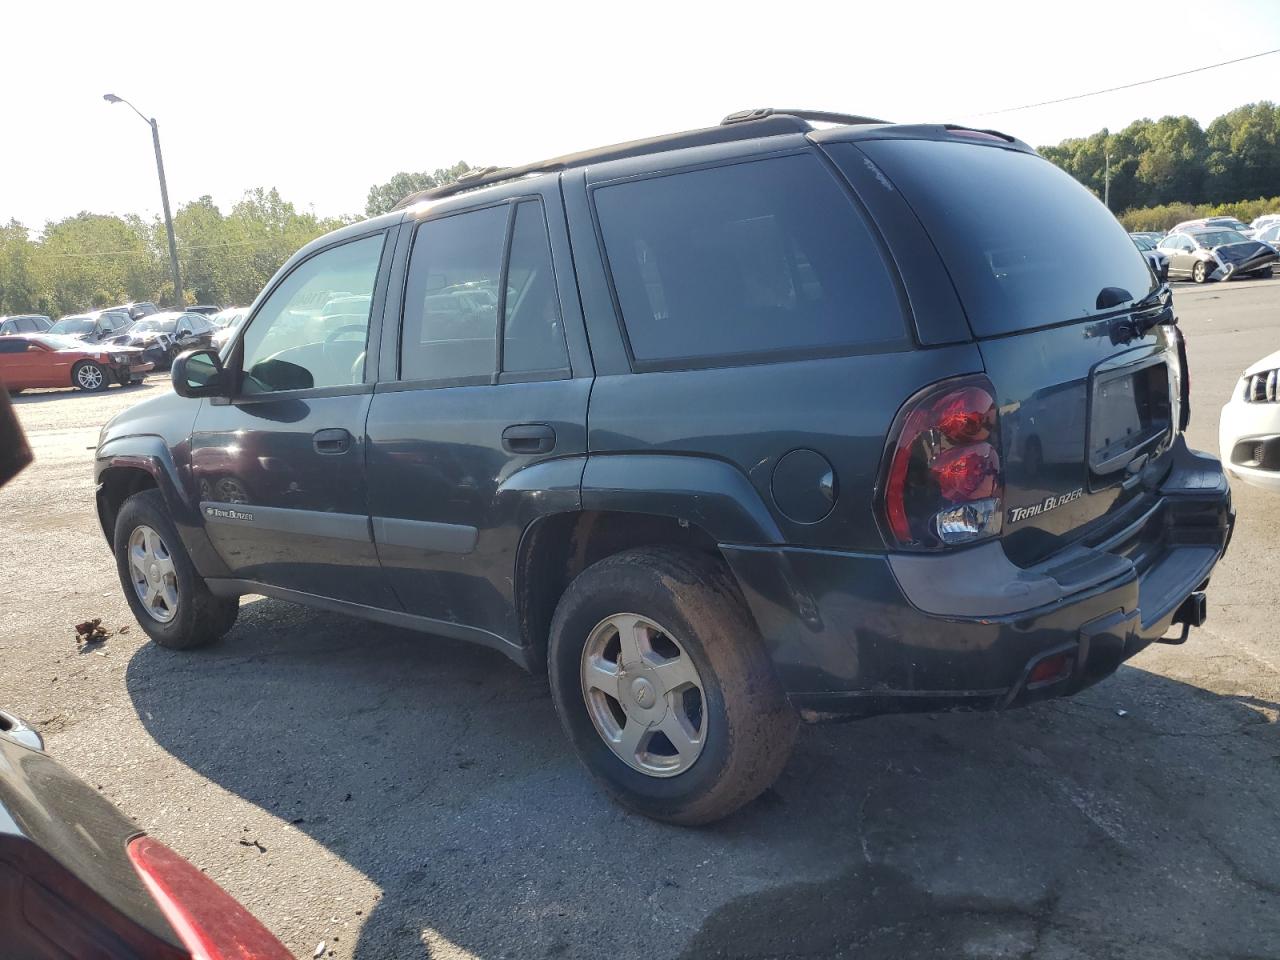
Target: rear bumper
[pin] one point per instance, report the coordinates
(859, 634)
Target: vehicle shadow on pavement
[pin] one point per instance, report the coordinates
(1136, 820)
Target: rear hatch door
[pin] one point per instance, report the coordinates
(1051, 285)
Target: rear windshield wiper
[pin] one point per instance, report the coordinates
(1141, 316)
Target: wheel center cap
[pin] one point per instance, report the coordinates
(643, 693)
(154, 572)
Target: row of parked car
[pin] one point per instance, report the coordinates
(1213, 248)
(113, 345)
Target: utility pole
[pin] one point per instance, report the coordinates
(164, 197)
(1106, 182)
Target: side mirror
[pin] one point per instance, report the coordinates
(199, 373)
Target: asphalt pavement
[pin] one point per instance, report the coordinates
(399, 796)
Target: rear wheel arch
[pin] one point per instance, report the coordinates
(556, 548)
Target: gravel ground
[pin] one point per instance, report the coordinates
(398, 796)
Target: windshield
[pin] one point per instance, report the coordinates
(148, 326)
(73, 325)
(1007, 224)
(1144, 243)
(1217, 238)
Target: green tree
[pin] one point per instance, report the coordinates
(1172, 164)
(384, 196)
(1244, 153)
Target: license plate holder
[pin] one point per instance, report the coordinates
(1130, 412)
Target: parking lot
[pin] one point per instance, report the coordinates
(396, 796)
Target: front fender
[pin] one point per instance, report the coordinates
(150, 454)
(710, 494)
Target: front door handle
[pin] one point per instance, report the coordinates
(331, 441)
(528, 438)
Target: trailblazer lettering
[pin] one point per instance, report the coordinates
(221, 514)
(1044, 506)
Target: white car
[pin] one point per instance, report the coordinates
(225, 323)
(1261, 224)
(1249, 429)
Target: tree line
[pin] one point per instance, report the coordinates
(94, 260)
(1174, 160)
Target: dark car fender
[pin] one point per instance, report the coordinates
(151, 455)
(710, 494)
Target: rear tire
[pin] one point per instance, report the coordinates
(89, 377)
(168, 597)
(742, 727)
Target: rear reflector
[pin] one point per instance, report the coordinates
(1049, 669)
(208, 921)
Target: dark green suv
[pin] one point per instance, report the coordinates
(723, 430)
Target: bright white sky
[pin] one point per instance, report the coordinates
(323, 100)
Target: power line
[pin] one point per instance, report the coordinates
(1128, 86)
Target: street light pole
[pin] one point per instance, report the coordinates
(164, 195)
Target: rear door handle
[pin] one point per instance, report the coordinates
(331, 441)
(528, 438)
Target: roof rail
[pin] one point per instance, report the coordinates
(817, 116)
(767, 125)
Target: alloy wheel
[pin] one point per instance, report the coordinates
(644, 695)
(154, 576)
(89, 376)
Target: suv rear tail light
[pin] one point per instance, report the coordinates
(1184, 410)
(208, 921)
(943, 482)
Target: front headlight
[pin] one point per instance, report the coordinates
(119, 358)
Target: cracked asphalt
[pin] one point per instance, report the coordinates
(399, 796)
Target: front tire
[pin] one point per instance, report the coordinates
(89, 377)
(663, 685)
(168, 597)
(1199, 273)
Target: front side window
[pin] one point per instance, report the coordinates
(13, 346)
(452, 295)
(290, 346)
(764, 257)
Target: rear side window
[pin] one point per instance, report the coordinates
(767, 257)
(462, 275)
(1026, 245)
(451, 298)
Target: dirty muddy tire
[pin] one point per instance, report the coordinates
(169, 599)
(663, 685)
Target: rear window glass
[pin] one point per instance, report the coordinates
(1026, 245)
(764, 257)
